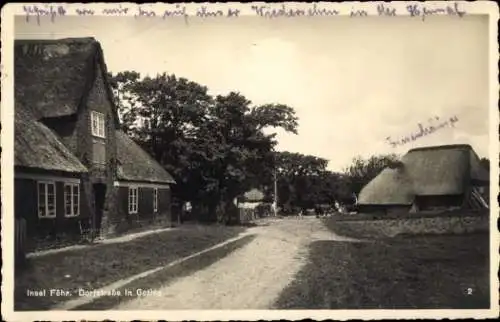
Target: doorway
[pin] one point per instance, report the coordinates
(99, 199)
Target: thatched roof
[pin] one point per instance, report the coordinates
(53, 77)
(254, 195)
(390, 187)
(36, 146)
(437, 170)
(135, 164)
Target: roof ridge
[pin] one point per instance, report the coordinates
(443, 147)
(57, 40)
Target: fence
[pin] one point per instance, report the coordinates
(20, 242)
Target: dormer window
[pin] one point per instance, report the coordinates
(98, 123)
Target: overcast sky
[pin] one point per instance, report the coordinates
(352, 82)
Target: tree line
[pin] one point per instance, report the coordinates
(216, 147)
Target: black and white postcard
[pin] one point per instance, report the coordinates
(250, 161)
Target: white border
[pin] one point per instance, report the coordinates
(478, 7)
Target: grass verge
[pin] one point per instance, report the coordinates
(424, 272)
(103, 264)
(161, 279)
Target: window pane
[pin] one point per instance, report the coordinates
(50, 202)
(50, 189)
(75, 209)
(41, 190)
(102, 125)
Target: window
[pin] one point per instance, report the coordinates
(132, 200)
(155, 200)
(71, 199)
(99, 152)
(98, 121)
(46, 199)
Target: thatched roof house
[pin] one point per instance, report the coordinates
(253, 195)
(74, 167)
(438, 176)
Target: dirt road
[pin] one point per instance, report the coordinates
(251, 277)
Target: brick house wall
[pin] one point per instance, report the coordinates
(99, 101)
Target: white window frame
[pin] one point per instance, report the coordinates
(155, 200)
(45, 185)
(99, 130)
(133, 200)
(72, 203)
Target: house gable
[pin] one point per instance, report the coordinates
(76, 72)
(98, 150)
(433, 174)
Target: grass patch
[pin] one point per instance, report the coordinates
(390, 227)
(103, 264)
(158, 280)
(364, 216)
(424, 272)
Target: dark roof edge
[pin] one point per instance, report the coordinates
(109, 92)
(54, 172)
(55, 41)
(443, 147)
(170, 182)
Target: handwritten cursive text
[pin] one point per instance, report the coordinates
(418, 10)
(47, 10)
(435, 124)
(421, 10)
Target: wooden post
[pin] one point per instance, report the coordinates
(275, 193)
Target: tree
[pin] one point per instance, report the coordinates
(214, 147)
(362, 171)
(304, 181)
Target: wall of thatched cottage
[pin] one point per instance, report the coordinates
(105, 174)
(48, 232)
(145, 216)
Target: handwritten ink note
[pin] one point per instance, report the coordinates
(420, 10)
(284, 11)
(435, 124)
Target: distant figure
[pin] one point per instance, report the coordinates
(337, 206)
(274, 208)
(301, 213)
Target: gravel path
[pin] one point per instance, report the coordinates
(249, 278)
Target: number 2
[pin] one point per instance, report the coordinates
(469, 291)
